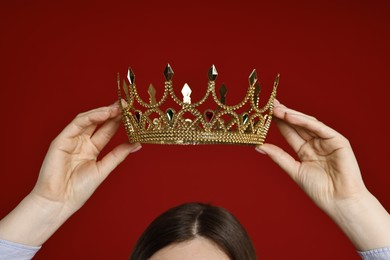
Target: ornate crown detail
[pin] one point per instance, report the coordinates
(222, 124)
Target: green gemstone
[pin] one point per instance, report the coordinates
(245, 118)
(170, 113)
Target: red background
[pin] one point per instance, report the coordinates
(59, 59)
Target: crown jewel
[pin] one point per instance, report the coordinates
(221, 124)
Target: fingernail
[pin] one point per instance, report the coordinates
(260, 150)
(137, 147)
(276, 102)
(123, 103)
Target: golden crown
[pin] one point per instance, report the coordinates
(223, 124)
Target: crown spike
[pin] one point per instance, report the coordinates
(222, 93)
(118, 81)
(256, 93)
(186, 91)
(125, 89)
(168, 72)
(276, 83)
(130, 76)
(152, 94)
(213, 73)
(253, 77)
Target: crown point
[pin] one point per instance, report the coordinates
(253, 78)
(125, 88)
(151, 90)
(213, 73)
(277, 79)
(152, 94)
(130, 76)
(186, 91)
(118, 81)
(257, 89)
(168, 72)
(256, 93)
(222, 93)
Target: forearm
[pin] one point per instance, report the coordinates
(33, 221)
(365, 221)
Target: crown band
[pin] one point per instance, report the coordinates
(221, 125)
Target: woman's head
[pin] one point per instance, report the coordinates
(195, 226)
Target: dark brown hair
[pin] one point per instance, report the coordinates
(186, 222)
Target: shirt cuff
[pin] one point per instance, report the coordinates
(11, 250)
(376, 254)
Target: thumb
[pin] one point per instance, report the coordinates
(281, 158)
(115, 157)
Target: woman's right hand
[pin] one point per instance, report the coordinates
(69, 175)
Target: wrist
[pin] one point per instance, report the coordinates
(364, 220)
(51, 211)
(33, 221)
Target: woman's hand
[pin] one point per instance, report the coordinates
(327, 169)
(70, 174)
(328, 172)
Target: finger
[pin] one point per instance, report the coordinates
(88, 121)
(290, 134)
(281, 158)
(280, 114)
(304, 134)
(307, 123)
(104, 134)
(280, 111)
(315, 127)
(115, 157)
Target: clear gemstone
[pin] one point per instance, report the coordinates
(186, 91)
(253, 78)
(213, 73)
(130, 76)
